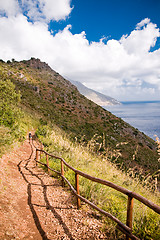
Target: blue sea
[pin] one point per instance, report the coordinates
(145, 116)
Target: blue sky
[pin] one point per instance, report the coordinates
(111, 19)
(110, 46)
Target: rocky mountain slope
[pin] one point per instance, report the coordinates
(95, 96)
(57, 100)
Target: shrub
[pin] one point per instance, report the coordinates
(9, 112)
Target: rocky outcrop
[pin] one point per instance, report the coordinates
(36, 63)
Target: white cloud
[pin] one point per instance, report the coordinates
(9, 7)
(37, 10)
(141, 40)
(22, 39)
(56, 10)
(123, 69)
(143, 23)
(46, 10)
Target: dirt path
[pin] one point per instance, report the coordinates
(35, 206)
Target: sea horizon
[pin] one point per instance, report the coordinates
(150, 101)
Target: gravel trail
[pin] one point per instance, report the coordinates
(34, 205)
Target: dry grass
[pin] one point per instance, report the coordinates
(158, 144)
(84, 159)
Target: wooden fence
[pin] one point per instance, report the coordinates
(126, 229)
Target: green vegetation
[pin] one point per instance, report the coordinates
(48, 95)
(9, 113)
(14, 122)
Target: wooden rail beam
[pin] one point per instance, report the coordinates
(140, 198)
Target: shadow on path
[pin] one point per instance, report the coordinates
(25, 171)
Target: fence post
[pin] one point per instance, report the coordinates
(47, 162)
(77, 189)
(129, 214)
(36, 156)
(40, 151)
(62, 172)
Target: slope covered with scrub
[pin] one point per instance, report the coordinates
(53, 98)
(91, 139)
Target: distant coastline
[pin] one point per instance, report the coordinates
(136, 102)
(143, 115)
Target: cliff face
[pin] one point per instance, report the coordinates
(95, 96)
(57, 100)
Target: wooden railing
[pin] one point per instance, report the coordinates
(126, 229)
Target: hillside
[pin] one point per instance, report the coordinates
(95, 96)
(54, 99)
